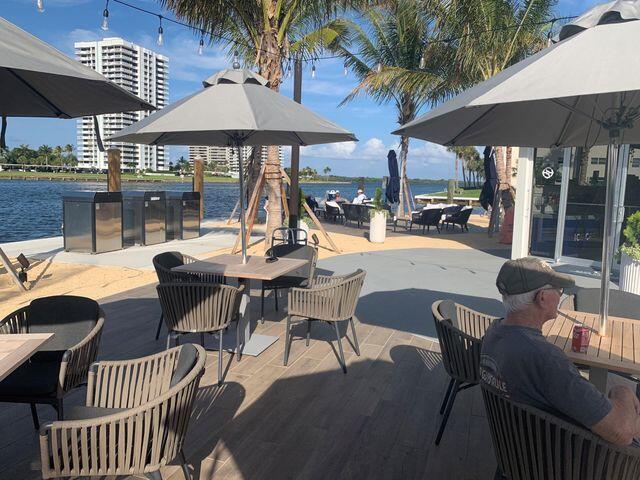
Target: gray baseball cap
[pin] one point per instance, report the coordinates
(527, 274)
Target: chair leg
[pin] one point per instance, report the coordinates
(238, 346)
(220, 360)
(60, 409)
(446, 396)
(184, 465)
(159, 326)
(262, 304)
(168, 340)
(452, 399)
(355, 337)
(275, 294)
(308, 331)
(34, 416)
(286, 341)
(342, 362)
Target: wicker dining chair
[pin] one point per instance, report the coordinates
(460, 331)
(135, 419)
(200, 308)
(330, 299)
(532, 444)
(61, 364)
(300, 277)
(164, 262)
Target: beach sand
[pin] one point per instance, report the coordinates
(49, 277)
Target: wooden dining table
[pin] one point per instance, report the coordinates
(256, 268)
(16, 348)
(618, 351)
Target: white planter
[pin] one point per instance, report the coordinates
(305, 227)
(629, 274)
(378, 227)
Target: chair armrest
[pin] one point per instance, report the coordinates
(15, 322)
(77, 360)
(313, 302)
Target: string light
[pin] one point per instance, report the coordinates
(40, 6)
(423, 62)
(313, 70)
(236, 60)
(201, 44)
(549, 41)
(160, 33)
(379, 67)
(346, 69)
(105, 17)
(289, 70)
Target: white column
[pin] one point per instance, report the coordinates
(522, 214)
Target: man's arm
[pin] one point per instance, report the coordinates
(622, 424)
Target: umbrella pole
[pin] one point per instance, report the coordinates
(608, 241)
(243, 227)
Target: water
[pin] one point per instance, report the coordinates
(33, 209)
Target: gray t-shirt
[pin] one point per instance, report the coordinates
(521, 364)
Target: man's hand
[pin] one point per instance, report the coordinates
(622, 424)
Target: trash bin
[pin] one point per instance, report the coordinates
(143, 217)
(183, 215)
(92, 221)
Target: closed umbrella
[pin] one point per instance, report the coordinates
(490, 178)
(584, 90)
(393, 185)
(235, 108)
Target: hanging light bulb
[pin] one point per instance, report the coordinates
(40, 6)
(201, 45)
(346, 69)
(313, 71)
(422, 62)
(236, 60)
(379, 67)
(160, 33)
(105, 17)
(289, 70)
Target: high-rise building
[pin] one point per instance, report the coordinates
(144, 73)
(225, 156)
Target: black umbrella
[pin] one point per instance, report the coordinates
(393, 186)
(491, 178)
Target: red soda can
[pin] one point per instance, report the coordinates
(580, 341)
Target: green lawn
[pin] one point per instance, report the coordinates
(468, 193)
(103, 177)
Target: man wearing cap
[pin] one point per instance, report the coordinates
(519, 363)
(359, 198)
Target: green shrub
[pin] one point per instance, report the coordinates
(631, 234)
(378, 204)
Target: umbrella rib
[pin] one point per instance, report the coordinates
(454, 139)
(566, 123)
(56, 110)
(302, 143)
(573, 109)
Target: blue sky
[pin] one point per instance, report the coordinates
(67, 21)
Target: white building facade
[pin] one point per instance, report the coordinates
(142, 72)
(226, 156)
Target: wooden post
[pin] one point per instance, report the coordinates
(114, 182)
(198, 181)
(11, 270)
(294, 191)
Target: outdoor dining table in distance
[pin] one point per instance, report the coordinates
(256, 268)
(16, 348)
(618, 351)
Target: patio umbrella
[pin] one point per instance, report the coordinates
(236, 108)
(584, 90)
(392, 191)
(36, 80)
(490, 178)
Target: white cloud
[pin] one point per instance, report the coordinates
(331, 150)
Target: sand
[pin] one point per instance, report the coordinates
(48, 277)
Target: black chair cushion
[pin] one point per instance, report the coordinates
(169, 260)
(287, 281)
(186, 360)
(297, 252)
(447, 309)
(38, 376)
(79, 412)
(70, 318)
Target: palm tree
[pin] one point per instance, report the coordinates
(327, 171)
(386, 51)
(267, 33)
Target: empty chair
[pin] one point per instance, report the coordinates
(460, 331)
(460, 218)
(289, 235)
(330, 299)
(135, 419)
(356, 213)
(301, 277)
(621, 304)
(200, 308)
(164, 262)
(531, 444)
(429, 217)
(61, 364)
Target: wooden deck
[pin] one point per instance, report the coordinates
(304, 421)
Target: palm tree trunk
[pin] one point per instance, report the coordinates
(404, 150)
(464, 176)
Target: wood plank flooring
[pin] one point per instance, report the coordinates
(304, 421)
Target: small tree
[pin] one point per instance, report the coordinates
(327, 171)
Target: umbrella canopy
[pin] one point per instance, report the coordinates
(393, 186)
(235, 108)
(235, 105)
(490, 178)
(584, 90)
(36, 80)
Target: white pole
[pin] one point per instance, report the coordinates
(242, 219)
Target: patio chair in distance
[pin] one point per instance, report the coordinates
(333, 213)
(330, 299)
(460, 331)
(460, 218)
(529, 443)
(200, 308)
(164, 262)
(429, 217)
(300, 277)
(61, 364)
(132, 424)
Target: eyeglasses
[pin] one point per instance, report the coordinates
(559, 290)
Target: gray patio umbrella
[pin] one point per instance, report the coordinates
(36, 80)
(236, 108)
(584, 90)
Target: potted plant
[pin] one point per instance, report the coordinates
(630, 255)
(377, 218)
